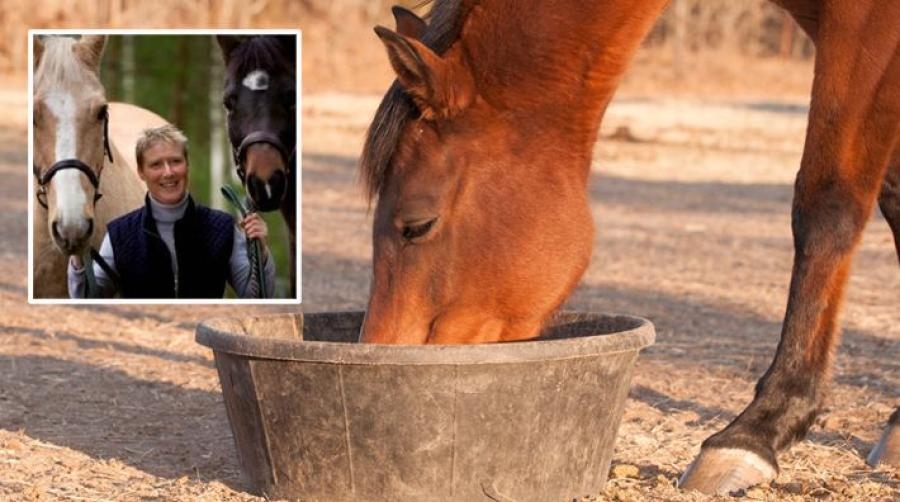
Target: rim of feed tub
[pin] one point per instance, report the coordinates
(595, 334)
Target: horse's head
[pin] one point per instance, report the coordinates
(260, 97)
(70, 135)
(480, 230)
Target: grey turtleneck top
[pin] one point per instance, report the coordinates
(165, 216)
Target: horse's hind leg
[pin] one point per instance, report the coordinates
(853, 127)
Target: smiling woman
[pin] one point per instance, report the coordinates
(163, 168)
(173, 247)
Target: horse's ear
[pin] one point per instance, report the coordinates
(38, 52)
(228, 43)
(288, 45)
(439, 87)
(408, 23)
(90, 50)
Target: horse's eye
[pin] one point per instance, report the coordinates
(101, 113)
(416, 229)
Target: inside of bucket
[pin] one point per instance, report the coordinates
(344, 326)
(574, 324)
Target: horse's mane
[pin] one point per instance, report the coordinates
(262, 53)
(60, 66)
(397, 108)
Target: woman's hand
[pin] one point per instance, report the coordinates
(254, 227)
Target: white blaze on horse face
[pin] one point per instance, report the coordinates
(256, 80)
(70, 196)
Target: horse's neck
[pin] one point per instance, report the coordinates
(546, 56)
(289, 204)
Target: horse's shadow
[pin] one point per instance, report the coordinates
(160, 428)
(692, 331)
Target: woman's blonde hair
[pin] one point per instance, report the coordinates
(162, 134)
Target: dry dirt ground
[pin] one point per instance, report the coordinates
(691, 200)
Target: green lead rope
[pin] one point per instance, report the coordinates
(257, 282)
(92, 288)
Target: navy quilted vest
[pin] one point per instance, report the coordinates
(203, 241)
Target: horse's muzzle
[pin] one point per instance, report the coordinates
(72, 237)
(267, 195)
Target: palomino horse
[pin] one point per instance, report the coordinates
(76, 134)
(261, 101)
(482, 148)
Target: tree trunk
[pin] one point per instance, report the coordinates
(217, 162)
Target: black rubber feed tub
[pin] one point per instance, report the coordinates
(317, 417)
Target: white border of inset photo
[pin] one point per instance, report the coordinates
(32, 33)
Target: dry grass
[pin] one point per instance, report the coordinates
(342, 54)
(332, 30)
(120, 403)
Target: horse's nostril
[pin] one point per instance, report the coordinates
(54, 229)
(267, 194)
(278, 178)
(90, 227)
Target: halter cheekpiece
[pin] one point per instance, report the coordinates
(45, 178)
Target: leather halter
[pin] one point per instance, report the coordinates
(253, 138)
(44, 179)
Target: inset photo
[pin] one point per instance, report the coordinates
(165, 166)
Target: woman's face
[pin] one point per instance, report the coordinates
(165, 172)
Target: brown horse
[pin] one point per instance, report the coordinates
(479, 157)
(76, 134)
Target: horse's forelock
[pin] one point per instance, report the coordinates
(60, 68)
(445, 21)
(260, 53)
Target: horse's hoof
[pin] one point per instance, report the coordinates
(887, 451)
(721, 471)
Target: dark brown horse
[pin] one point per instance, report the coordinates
(261, 100)
(479, 158)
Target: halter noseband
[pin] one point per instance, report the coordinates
(45, 178)
(253, 138)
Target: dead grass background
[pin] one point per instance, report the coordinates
(691, 197)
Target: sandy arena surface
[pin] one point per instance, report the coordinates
(691, 200)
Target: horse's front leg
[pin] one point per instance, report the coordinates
(887, 451)
(853, 125)
(889, 199)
